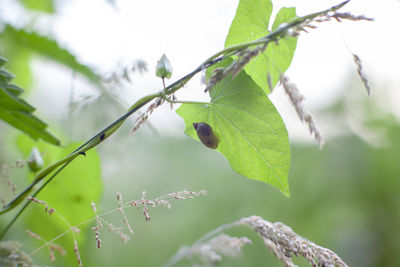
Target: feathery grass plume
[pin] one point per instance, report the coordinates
(211, 252)
(12, 255)
(278, 238)
(361, 74)
(296, 99)
(284, 243)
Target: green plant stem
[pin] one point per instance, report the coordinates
(163, 96)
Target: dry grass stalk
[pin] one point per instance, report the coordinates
(47, 208)
(324, 17)
(51, 246)
(285, 243)
(118, 230)
(77, 255)
(244, 57)
(144, 116)
(121, 211)
(5, 172)
(347, 15)
(100, 221)
(297, 99)
(361, 74)
(141, 203)
(98, 226)
(216, 76)
(59, 249)
(139, 122)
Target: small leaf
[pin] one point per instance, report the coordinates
(252, 135)
(251, 23)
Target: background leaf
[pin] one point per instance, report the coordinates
(47, 47)
(252, 135)
(18, 113)
(39, 5)
(70, 193)
(251, 23)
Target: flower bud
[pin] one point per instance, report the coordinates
(163, 68)
(35, 161)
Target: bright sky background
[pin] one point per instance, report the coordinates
(190, 31)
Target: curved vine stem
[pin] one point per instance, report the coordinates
(98, 138)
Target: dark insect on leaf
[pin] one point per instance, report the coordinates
(102, 136)
(82, 153)
(206, 135)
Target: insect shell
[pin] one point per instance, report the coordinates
(206, 135)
